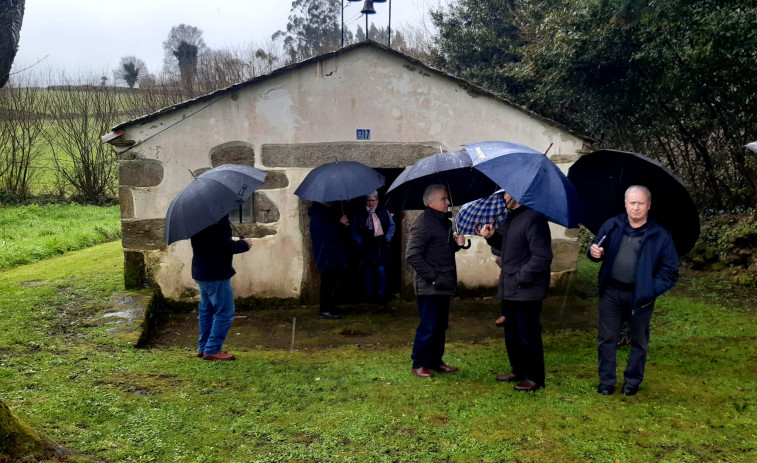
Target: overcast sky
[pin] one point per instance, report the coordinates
(82, 36)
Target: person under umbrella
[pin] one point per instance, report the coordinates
(431, 248)
(639, 263)
(372, 228)
(212, 252)
(200, 212)
(325, 186)
(525, 245)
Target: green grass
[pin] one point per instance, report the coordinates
(32, 233)
(85, 389)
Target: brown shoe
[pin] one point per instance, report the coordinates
(527, 386)
(444, 368)
(423, 372)
(508, 378)
(500, 321)
(200, 353)
(223, 355)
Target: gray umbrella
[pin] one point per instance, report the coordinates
(209, 198)
(752, 146)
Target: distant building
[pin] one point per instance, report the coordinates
(365, 103)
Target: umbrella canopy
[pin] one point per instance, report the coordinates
(481, 211)
(451, 169)
(602, 178)
(530, 177)
(339, 181)
(209, 198)
(752, 146)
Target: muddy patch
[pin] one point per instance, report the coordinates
(471, 320)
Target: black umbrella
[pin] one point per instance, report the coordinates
(601, 179)
(339, 181)
(451, 169)
(209, 198)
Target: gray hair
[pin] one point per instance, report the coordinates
(371, 195)
(429, 191)
(639, 187)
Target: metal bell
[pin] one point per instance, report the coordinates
(368, 7)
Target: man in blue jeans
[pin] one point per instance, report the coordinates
(639, 263)
(213, 250)
(431, 248)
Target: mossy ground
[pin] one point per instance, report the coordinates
(98, 395)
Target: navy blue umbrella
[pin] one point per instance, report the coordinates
(602, 178)
(339, 181)
(530, 177)
(453, 169)
(209, 198)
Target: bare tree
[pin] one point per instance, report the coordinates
(79, 115)
(22, 122)
(130, 69)
(182, 48)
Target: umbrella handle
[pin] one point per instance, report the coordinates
(467, 246)
(476, 228)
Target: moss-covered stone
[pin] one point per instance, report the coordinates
(18, 442)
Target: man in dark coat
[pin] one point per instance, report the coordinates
(525, 245)
(212, 252)
(431, 249)
(327, 227)
(372, 228)
(639, 263)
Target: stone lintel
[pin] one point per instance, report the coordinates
(377, 155)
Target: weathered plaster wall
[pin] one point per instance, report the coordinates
(288, 124)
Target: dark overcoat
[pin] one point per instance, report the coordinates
(525, 245)
(327, 234)
(431, 252)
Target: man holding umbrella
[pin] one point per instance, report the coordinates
(525, 245)
(639, 263)
(213, 250)
(431, 249)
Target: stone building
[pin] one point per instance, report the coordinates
(365, 103)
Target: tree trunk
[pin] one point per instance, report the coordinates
(17, 439)
(11, 16)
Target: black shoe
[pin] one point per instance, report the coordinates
(329, 316)
(606, 389)
(629, 389)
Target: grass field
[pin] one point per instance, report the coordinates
(79, 385)
(31, 233)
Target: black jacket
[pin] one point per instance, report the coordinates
(327, 236)
(213, 250)
(431, 252)
(525, 245)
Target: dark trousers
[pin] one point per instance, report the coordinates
(374, 278)
(615, 305)
(523, 339)
(428, 348)
(329, 287)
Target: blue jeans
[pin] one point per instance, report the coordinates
(216, 314)
(428, 347)
(375, 273)
(614, 306)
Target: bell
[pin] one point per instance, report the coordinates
(368, 7)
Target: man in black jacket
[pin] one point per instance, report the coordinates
(213, 250)
(526, 251)
(431, 249)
